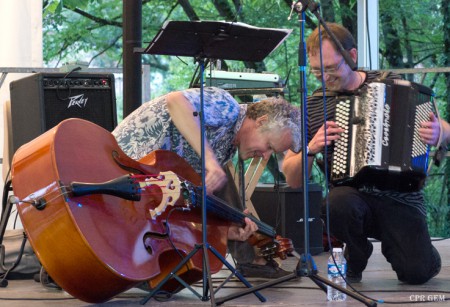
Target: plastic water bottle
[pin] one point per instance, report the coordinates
(334, 275)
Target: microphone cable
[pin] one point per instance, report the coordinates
(64, 83)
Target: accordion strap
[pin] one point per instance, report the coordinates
(382, 76)
(319, 93)
(328, 93)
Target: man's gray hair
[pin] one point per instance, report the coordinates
(281, 115)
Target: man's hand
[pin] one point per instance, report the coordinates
(429, 131)
(215, 176)
(332, 133)
(238, 233)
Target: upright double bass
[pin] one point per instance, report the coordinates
(97, 246)
(99, 239)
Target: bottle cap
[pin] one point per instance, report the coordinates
(337, 250)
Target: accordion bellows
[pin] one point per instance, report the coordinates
(381, 146)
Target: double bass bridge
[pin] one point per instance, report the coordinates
(170, 184)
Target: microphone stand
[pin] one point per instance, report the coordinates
(305, 266)
(314, 8)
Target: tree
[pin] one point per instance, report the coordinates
(92, 28)
(445, 9)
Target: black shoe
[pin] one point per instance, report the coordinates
(270, 270)
(437, 261)
(353, 276)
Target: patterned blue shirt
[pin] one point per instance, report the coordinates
(150, 127)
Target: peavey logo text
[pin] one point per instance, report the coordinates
(386, 125)
(78, 100)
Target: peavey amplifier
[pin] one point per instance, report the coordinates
(282, 208)
(40, 101)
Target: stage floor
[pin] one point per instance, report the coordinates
(379, 282)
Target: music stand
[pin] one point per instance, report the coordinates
(213, 40)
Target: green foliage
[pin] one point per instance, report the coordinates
(81, 4)
(95, 37)
(438, 209)
(53, 7)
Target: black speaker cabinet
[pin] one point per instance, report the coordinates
(282, 208)
(40, 101)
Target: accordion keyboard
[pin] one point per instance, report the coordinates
(341, 146)
(422, 115)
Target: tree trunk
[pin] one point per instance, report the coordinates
(224, 9)
(393, 50)
(328, 10)
(188, 9)
(409, 52)
(348, 16)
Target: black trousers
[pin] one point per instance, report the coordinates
(405, 242)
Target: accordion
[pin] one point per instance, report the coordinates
(381, 146)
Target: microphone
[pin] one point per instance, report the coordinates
(298, 7)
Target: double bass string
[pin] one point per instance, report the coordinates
(214, 204)
(31, 199)
(220, 208)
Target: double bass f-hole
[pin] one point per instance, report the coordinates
(149, 237)
(116, 157)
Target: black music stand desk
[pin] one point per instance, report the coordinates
(216, 40)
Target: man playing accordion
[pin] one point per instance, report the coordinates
(363, 211)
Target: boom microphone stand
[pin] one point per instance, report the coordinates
(214, 40)
(306, 266)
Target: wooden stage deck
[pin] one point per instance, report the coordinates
(379, 282)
